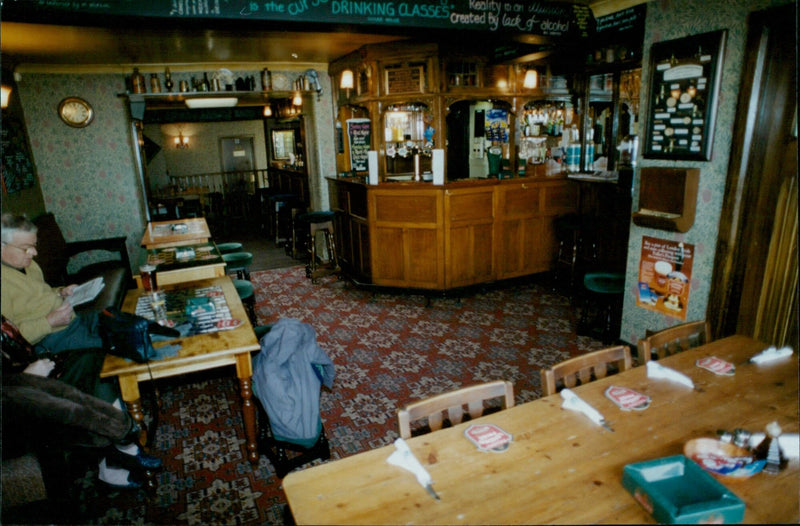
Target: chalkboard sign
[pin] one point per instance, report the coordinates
(358, 133)
(554, 19)
(629, 20)
(17, 168)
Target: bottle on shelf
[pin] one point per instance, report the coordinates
(155, 83)
(168, 84)
(137, 82)
(205, 85)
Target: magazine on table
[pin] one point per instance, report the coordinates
(86, 291)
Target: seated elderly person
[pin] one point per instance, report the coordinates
(42, 313)
(53, 413)
(40, 409)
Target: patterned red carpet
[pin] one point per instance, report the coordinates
(389, 349)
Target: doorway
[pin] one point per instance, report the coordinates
(755, 280)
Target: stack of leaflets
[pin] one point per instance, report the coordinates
(86, 292)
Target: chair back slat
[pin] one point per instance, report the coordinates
(584, 369)
(660, 344)
(453, 403)
(435, 421)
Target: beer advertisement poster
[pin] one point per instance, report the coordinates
(665, 272)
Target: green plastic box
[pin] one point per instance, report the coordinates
(675, 490)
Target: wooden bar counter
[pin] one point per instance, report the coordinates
(439, 237)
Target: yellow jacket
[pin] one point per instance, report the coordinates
(27, 300)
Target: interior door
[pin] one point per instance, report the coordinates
(237, 154)
(756, 287)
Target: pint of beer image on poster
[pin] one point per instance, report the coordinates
(665, 272)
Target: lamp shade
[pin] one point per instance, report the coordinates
(531, 79)
(6, 91)
(268, 111)
(347, 79)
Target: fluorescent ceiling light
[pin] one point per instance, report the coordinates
(216, 102)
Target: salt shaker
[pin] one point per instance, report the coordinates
(770, 450)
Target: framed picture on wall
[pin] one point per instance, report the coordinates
(684, 87)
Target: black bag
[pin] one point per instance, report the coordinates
(126, 335)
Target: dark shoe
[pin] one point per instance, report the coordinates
(140, 460)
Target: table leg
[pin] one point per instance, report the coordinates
(244, 370)
(129, 388)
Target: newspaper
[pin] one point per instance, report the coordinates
(86, 292)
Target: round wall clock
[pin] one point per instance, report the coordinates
(75, 112)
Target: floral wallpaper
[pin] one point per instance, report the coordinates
(667, 20)
(88, 176)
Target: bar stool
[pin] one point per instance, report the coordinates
(604, 290)
(227, 248)
(280, 205)
(247, 294)
(238, 262)
(320, 222)
(577, 246)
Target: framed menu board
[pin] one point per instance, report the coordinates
(684, 83)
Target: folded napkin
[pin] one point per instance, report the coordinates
(771, 353)
(404, 458)
(575, 403)
(656, 370)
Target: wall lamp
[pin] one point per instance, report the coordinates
(531, 79)
(297, 99)
(347, 83)
(268, 110)
(181, 142)
(6, 94)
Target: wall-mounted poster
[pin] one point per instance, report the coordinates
(684, 85)
(358, 133)
(665, 272)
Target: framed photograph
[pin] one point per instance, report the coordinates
(684, 86)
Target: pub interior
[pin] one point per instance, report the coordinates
(638, 156)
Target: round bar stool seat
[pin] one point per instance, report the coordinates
(262, 330)
(227, 248)
(238, 262)
(604, 289)
(247, 294)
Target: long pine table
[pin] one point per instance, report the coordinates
(561, 468)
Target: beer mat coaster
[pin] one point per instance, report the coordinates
(628, 399)
(716, 366)
(488, 437)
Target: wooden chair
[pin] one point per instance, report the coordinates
(452, 403)
(585, 368)
(673, 340)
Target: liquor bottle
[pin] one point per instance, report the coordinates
(168, 84)
(155, 83)
(204, 84)
(137, 82)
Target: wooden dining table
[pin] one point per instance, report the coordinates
(560, 467)
(199, 352)
(181, 232)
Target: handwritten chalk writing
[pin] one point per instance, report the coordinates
(274, 7)
(366, 8)
(425, 10)
(468, 18)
